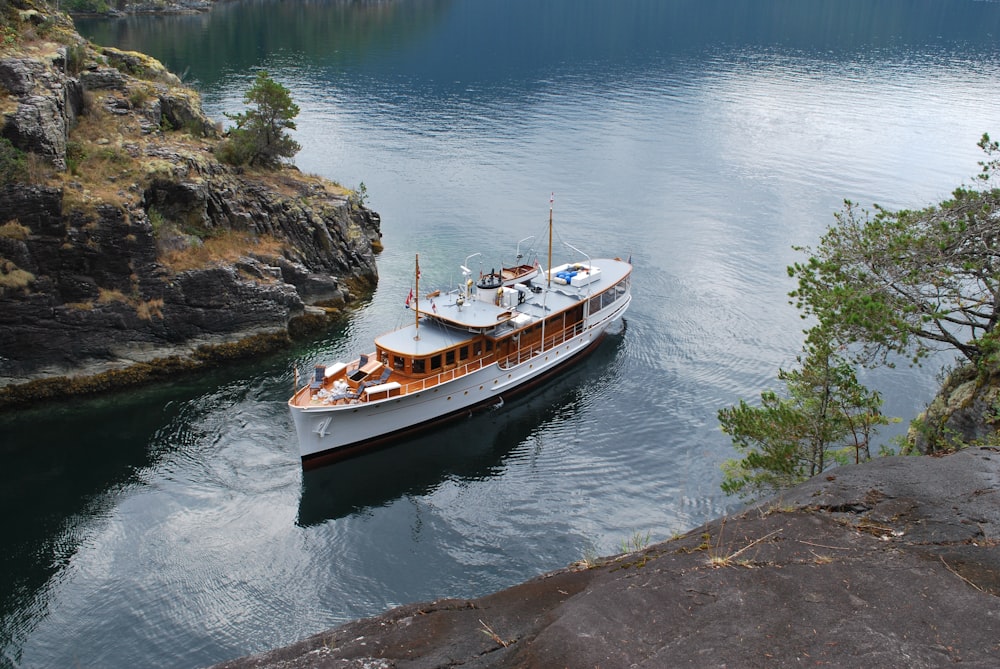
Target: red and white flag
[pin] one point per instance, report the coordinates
(408, 298)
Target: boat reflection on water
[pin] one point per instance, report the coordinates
(471, 448)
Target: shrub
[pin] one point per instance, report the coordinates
(13, 163)
(76, 56)
(75, 154)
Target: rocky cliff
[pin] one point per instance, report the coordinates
(125, 242)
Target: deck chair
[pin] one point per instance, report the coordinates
(317, 381)
(385, 376)
(356, 394)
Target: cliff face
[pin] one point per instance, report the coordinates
(123, 239)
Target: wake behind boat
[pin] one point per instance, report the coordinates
(469, 347)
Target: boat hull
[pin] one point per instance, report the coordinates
(327, 434)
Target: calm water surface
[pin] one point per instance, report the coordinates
(173, 526)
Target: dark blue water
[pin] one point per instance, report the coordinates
(173, 527)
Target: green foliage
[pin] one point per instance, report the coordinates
(359, 196)
(637, 542)
(911, 282)
(85, 6)
(76, 56)
(138, 97)
(13, 163)
(75, 154)
(8, 35)
(156, 220)
(260, 137)
(827, 418)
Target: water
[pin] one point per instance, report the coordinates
(173, 526)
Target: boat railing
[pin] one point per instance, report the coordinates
(520, 356)
(447, 375)
(523, 355)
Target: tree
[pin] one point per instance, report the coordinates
(826, 418)
(911, 282)
(260, 137)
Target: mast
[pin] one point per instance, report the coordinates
(416, 294)
(549, 269)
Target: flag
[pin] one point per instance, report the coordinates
(434, 307)
(408, 298)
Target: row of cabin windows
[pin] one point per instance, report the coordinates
(408, 365)
(610, 296)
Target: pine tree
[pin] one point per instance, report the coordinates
(827, 418)
(260, 138)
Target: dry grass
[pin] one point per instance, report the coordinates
(225, 247)
(149, 309)
(298, 184)
(8, 102)
(14, 230)
(12, 276)
(107, 296)
(146, 310)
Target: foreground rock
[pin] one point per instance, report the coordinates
(894, 563)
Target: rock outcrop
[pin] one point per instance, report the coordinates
(966, 410)
(892, 563)
(126, 241)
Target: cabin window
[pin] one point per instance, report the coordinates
(595, 304)
(449, 357)
(419, 365)
(398, 363)
(384, 358)
(489, 345)
(463, 353)
(477, 348)
(436, 362)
